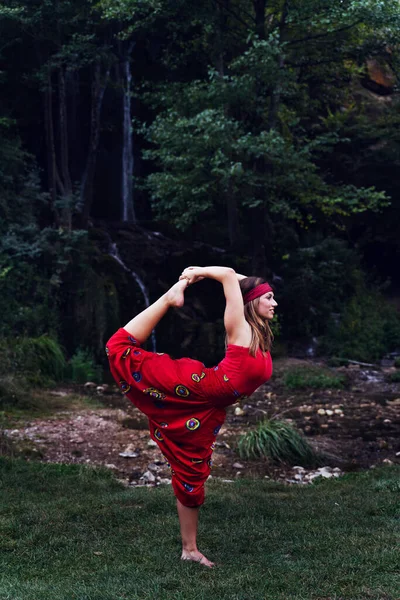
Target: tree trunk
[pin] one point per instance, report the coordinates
(50, 147)
(259, 10)
(66, 187)
(99, 85)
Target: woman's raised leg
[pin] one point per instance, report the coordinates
(143, 324)
(188, 520)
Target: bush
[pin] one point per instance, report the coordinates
(368, 329)
(82, 368)
(278, 441)
(318, 279)
(395, 377)
(41, 360)
(12, 392)
(397, 362)
(312, 377)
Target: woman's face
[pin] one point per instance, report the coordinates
(266, 306)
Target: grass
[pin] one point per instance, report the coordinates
(44, 403)
(69, 532)
(278, 441)
(312, 377)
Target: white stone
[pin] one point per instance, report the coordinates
(128, 454)
(238, 465)
(148, 476)
(89, 385)
(151, 444)
(329, 412)
(239, 412)
(387, 461)
(321, 411)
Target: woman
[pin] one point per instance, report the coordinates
(185, 401)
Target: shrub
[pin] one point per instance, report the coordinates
(312, 377)
(41, 360)
(12, 392)
(395, 377)
(82, 368)
(397, 362)
(368, 328)
(278, 441)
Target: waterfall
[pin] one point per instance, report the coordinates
(113, 251)
(128, 213)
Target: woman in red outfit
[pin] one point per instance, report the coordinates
(185, 401)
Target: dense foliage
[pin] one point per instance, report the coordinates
(269, 128)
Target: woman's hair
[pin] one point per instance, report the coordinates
(261, 334)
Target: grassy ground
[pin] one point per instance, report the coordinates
(73, 533)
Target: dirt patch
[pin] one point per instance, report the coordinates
(355, 428)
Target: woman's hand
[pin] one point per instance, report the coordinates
(192, 274)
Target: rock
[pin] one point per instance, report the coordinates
(153, 467)
(387, 461)
(387, 362)
(100, 389)
(395, 402)
(238, 465)
(128, 454)
(338, 411)
(111, 466)
(164, 481)
(387, 421)
(90, 386)
(151, 444)
(397, 453)
(148, 477)
(324, 426)
(329, 412)
(239, 412)
(321, 411)
(299, 468)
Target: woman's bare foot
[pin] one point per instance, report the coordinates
(175, 295)
(196, 556)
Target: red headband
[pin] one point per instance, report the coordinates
(256, 292)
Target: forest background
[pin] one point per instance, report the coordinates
(140, 136)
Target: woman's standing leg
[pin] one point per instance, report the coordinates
(141, 327)
(188, 520)
(143, 324)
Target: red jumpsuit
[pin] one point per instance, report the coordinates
(185, 402)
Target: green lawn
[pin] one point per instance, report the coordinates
(69, 532)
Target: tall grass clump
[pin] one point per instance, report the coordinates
(312, 377)
(82, 367)
(40, 359)
(279, 442)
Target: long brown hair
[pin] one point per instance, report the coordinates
(261, 334)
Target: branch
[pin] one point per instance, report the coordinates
(234, 14)
(322, 35)
(316, 63)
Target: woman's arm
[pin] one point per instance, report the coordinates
(237, 329)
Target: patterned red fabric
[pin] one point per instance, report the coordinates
(184, 402)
